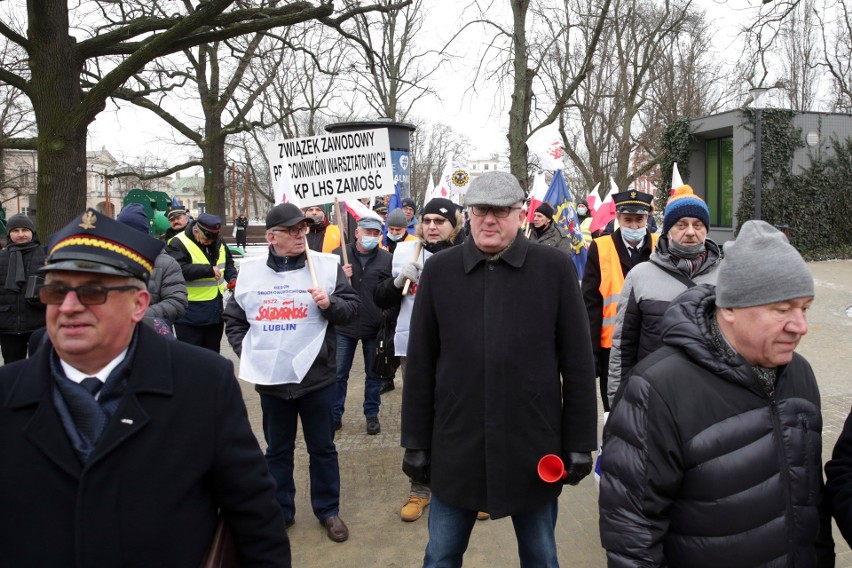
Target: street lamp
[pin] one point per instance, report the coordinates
(757, 104)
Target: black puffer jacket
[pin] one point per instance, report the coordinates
(17, 314)
(700, 467)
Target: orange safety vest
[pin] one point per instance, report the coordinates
(612, 280)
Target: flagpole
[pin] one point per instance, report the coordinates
(339, 219)
(310, 262)
(416, 256)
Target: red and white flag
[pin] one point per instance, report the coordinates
(594, 198)
(358, 210)
(455, 179)
(539, 190)
(606, 211)
(546, 145)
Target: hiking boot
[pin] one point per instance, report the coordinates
(412, 510)
(373, 426)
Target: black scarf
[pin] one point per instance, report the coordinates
(16, 275)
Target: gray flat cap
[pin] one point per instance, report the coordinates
(497, 189)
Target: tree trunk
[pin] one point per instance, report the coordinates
(519, 112)
(56, 95)
(213, 161)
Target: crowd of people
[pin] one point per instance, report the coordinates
(128, 445)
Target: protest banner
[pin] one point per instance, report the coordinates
(317, 169)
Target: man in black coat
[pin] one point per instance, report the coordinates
(499, 374)
(368, 265)
(20, 314)
(713, 453)
(119, 447)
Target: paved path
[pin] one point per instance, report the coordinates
(374, 488)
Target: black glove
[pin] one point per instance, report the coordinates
(577, 466)
(417, 464)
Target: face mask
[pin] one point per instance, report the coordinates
(685, 251)
(369, 243)
(395, 237)
(581, 211)
(318, 219)
(633, 235)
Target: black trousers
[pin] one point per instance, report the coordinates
(603, 374)
(207, 336)
(14, 346)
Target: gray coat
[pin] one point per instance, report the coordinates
(552, 237)
(647, 292)
(499, 373)
(168, 290)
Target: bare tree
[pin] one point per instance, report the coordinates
(604, 122)
(837, 52)
(430, 146)
(113, 41)
(391, 68)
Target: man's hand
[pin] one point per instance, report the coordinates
(321, 298)
(347, 270)
(417, 464)
(577, 466)
(217, 274)
(407, 272)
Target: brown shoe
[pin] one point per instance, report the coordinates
(482, 516)
(412, 510)
(335, 528)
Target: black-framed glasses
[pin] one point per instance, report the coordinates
(292, 231)
(499, 212)
(87, 294)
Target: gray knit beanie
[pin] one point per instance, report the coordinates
(760, 268)
(397, 218)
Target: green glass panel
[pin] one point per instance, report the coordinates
(712, 185)
(726, 182)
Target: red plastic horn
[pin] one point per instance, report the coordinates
(551, 469)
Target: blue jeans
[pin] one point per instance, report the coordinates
(450, 527)
(279, 429)
(372, 384)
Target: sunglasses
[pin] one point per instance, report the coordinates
(87, 294)
(437, 221)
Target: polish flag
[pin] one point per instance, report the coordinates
(359, 210)
(594, 198)
(606, 212)
(539, 190)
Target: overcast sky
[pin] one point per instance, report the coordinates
(482, 116)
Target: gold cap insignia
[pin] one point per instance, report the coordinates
(88, 220)
(633, 195)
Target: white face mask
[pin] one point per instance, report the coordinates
(633, 235)
(393, 237)
(582, 211)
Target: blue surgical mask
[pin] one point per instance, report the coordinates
(395, 237)
(582, 211)
(633, 235)
(369, 243)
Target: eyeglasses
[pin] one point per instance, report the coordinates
(499, 212)
(87, 294)
(292, 231)
(437, 221)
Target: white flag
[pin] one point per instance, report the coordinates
(455, 179)
(546, 145)
(594, 198)
(676, 181)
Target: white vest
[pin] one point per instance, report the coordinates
(287, 328)
(402, 255)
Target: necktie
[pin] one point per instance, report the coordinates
(92, 384)
(634, 253)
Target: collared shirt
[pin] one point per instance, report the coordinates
(77, 376)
